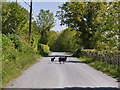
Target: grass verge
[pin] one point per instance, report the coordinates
(12, 70)
(109, 69)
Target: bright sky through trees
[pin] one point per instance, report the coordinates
(52, 6)
(37, 6)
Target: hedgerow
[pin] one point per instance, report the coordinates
(105, 61)
(44, 50)
(17, 55)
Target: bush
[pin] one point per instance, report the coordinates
(15, 60)
(34, 42)
(6, 42)
(43, 49)
(77, 53)
(8, 59)
(17, 42)
(17, 55)
(13, 65)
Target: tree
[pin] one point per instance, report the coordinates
(14, 18)
(94, 21)
(52, 37)
(79, 16)
(66, 41)
(109, 27)
(0, 17)
(45, 20)
(117, 7)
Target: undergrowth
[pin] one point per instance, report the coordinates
(111, 70)
(18, 55)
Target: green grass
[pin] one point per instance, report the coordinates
(13, 67)
(68, 53)
(37, 56)
(18, 55)
(111, 70)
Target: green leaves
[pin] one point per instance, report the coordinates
(14, 18)
(66, 41)
(16, 40)
(96, 21)
(45, 21)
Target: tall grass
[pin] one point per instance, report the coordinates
(109, 69)
(17, 55)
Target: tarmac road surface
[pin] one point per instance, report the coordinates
(74, 73)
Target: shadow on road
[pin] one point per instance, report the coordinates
(57, 62)
(65, 56)
(73, 62)
(59, 56)
(66, 88)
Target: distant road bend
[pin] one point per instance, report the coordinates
(74, 73)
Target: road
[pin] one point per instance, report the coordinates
(74, 73)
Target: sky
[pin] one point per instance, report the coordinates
(52, 6)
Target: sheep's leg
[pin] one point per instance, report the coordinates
(60, 62)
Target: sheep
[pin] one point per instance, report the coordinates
(62, 59)
(52, 59)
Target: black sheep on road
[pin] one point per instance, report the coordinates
(63, 59)
(52, 59)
